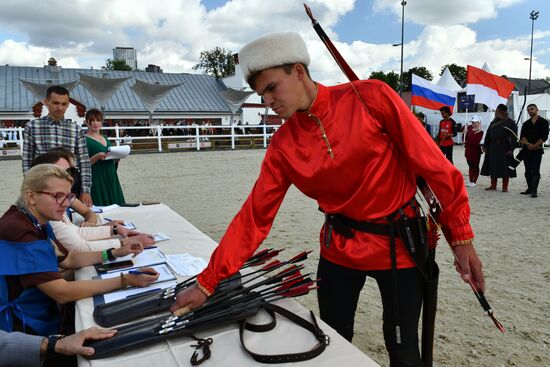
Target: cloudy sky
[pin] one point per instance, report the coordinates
(172, 33)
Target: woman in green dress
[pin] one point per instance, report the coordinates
(106, 188)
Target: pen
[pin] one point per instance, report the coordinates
(110, 220)
(139, 294)
(138, 272)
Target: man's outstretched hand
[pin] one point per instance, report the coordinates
(190, 298)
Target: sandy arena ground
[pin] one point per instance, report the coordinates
(512, 239)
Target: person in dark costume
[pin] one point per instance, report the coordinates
(534, 132)
(498, 147)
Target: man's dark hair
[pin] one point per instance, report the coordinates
(57, 89)
(53, 155)
(94, 115)
(532, 105)
(445, 109)
(421, 115)
(287, 68)
(502, 107)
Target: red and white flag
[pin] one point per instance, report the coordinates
(488, 88)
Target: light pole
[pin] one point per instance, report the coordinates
(534, 16)
(403, 3)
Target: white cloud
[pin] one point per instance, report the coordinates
(22, 54)
(441, 12)
(458, 44)
(172, 33)
(170, 56)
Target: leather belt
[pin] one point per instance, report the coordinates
(313, 327)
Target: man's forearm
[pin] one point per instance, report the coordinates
(84, 164)
(27, 154)
(86, 176)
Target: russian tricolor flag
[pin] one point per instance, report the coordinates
(488, 88)
(429, 95)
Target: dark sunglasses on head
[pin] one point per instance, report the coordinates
(72, 171)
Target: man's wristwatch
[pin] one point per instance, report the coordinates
(52, 340)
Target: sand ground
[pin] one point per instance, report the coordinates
(512, 239)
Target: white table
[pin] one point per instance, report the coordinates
(226, 348)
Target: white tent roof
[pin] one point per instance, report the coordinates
(38, 90)
(151, 94)
(486, 67)
(448, 82)
(102, 89)
(235, 98)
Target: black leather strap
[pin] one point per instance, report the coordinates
(323, 339)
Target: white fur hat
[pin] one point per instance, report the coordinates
(275, 49)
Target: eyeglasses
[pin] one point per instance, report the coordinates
(60, 198)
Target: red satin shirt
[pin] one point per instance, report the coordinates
(377, 154)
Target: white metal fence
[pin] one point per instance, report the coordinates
(193, 136)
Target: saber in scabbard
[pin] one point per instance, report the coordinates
(423, 187)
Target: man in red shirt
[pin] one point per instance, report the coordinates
(447, 129)
(356, 149)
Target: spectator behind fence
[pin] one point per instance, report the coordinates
(106, 188)
(55, 130)
(35, 298)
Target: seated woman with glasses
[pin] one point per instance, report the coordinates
(31, 287)
(61, 153)
(88, 237)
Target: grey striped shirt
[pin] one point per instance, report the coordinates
(43, 134)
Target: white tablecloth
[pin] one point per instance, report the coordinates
(226, 348)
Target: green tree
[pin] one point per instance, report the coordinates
(421, 71)
(217, 62)
(390, 78)
(458, 72)
(117, 64)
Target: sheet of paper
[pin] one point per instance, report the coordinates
(127, 293)
(149, 256)
(163, 269)
(159, 236)
(185, 264)
(129, 225)
(118, 152)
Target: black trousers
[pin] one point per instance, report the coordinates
(338, 295)
(532, 163)
(448, 151)
(473, 170)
